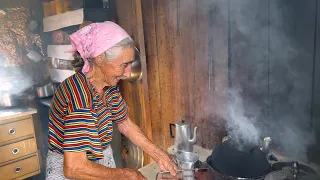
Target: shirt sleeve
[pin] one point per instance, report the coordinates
(119, 107)
(80, 133)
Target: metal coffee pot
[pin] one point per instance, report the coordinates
(182, 138)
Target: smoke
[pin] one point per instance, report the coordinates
(241, 127)
(270, 93)
(16, 80)
(270, 76)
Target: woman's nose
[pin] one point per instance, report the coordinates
(127, 71)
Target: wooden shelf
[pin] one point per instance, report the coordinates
(76, 17)
(60, 52)
(59, 21)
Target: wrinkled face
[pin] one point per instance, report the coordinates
(118, 68)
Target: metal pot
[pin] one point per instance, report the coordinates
(8, 100)
(182, 139)
(34, 55)
(46, 90)
(132, 155)
(136, 72)
(136, 69)
(56, 63)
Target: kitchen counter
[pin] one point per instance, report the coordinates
(46, 101)
(16, 112)
(150, 171)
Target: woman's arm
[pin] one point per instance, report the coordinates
(77, 166)
(134, 133)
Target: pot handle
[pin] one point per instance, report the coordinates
(170, 126)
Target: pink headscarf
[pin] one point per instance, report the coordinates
(96, 38)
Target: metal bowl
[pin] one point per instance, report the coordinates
(46, 90)
(136, 71)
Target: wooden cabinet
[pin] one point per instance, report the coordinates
(18, 147)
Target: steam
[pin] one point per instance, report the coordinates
(270, 81)
(263, 104)
(240, 127)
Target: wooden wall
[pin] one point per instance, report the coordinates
(186, 47)
(198, 51)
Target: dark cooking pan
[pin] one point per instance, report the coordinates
(233, 163)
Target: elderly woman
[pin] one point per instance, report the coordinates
(85, 105)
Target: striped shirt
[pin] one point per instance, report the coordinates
(80, 121)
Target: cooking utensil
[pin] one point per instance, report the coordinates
(228, 160)
(34, 55)
(8, 100)
(182, 138)
(180, 174)
(46, 90)
(186, 161)
(136, 69)
(60, 64)
(132, 155)
(265, 145)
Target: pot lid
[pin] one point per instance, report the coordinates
(183, 123)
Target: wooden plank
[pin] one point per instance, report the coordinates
(148, 11)
(164, 66)
(136, 94)
(124, 19)
(201, 84)
(14, 114)
(166, 29)
(62, 20)
(291, 63)
(218, 60)
(188, 47)
(144, 89)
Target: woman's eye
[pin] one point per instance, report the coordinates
(125, 65)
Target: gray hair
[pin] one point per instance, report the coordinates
(117, 49)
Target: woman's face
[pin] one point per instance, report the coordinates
(118, 68)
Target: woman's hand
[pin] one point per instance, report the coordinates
(134, 133)
(166, 163)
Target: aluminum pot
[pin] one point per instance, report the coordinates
(136, 72)
(136, 69)
(8, 100)
(56, 63)
(46, 90)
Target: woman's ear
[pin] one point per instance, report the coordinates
(99, 60)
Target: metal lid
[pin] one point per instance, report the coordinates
(183, 123)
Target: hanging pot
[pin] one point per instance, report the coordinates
(232, 163)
